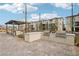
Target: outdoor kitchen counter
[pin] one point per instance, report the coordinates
(69, 39)
(32, 36)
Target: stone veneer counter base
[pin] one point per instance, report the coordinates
(32, 36)
(69, 39)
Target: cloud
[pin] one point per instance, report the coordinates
(49, 15)
(7, 7)
(62, 5)
(77, 4)
(17, 7)
(31, 8)
(35, 3)
(35, 17)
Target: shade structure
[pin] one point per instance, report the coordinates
(15, 22)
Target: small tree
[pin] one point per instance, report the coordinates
(53, 27)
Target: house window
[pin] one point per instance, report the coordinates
(76, 23)
(43, 26)
(76, 26)
(77, 29)
(32, 28)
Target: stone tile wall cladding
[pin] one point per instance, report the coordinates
(32, 36)
(69, 39)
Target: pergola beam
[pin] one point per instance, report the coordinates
(15, 22)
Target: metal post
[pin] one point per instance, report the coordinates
(39, 21)
(25, 13)
(18, 27)
(13, 30)
(72, 16)
(6, 28)
(39, 16)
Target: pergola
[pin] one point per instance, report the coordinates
(14, 22)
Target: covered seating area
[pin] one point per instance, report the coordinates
(29, 36)
(13, 27)
(22, 31)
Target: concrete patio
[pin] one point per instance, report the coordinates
(11, 46)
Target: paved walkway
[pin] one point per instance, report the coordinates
(10, 46)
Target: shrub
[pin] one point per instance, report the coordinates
(21, 36)
(77, 39)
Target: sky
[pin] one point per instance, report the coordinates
(15, 11)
